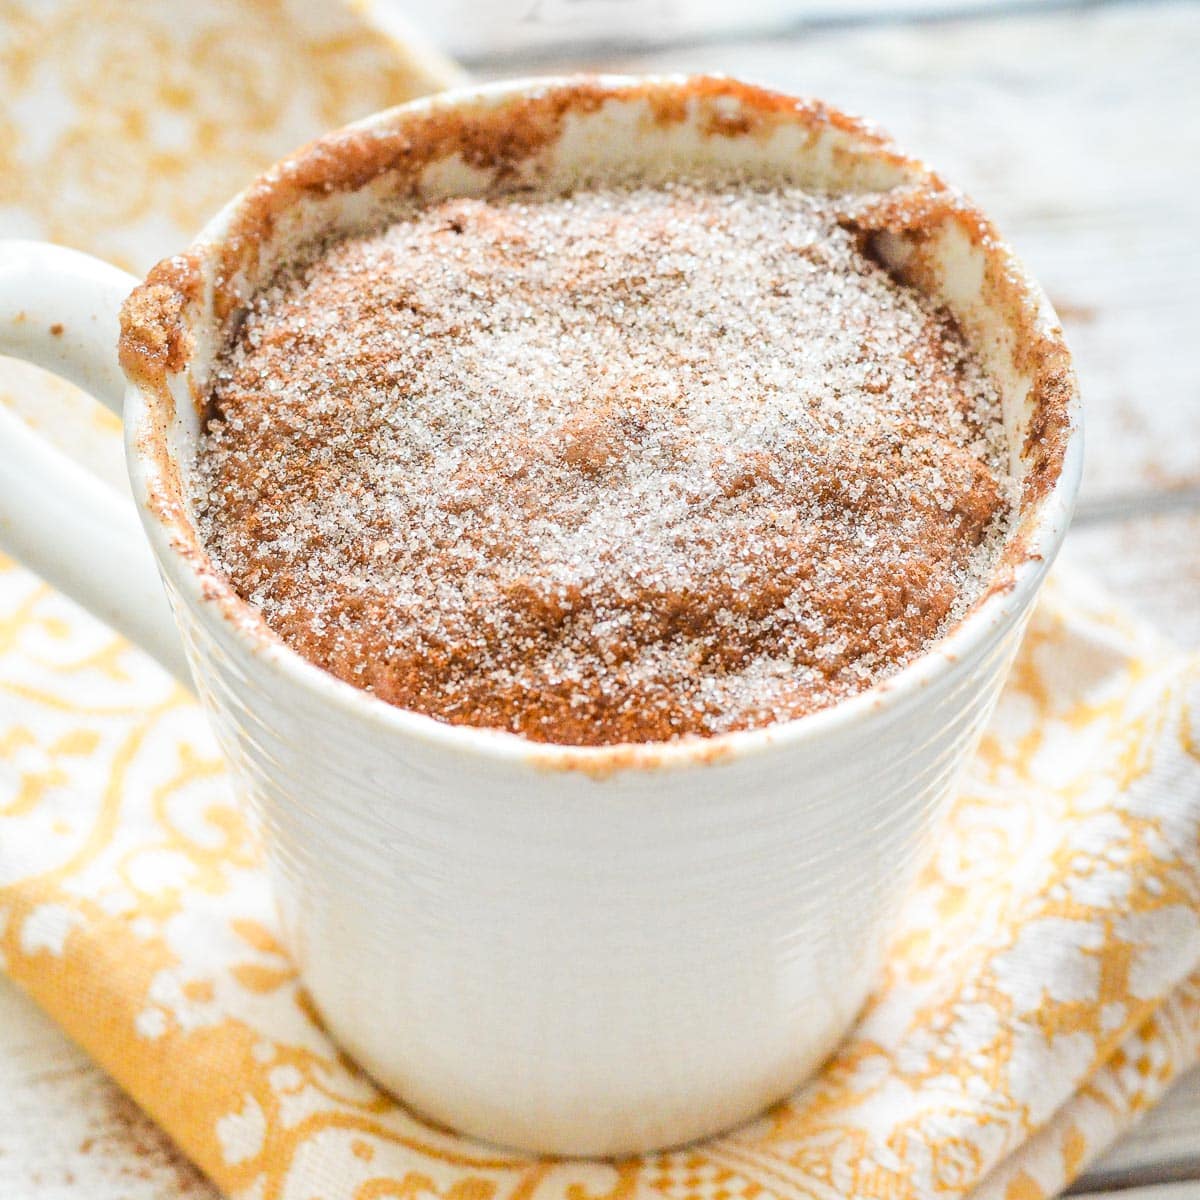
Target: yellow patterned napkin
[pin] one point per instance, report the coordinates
(1044, 986)
(1042, 990)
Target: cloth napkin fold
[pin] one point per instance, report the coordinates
(1043, 986)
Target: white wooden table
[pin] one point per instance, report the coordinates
(1079, 130)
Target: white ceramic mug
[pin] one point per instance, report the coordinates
(566, 950)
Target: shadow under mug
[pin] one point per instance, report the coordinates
(565, 950)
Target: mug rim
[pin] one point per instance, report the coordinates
(1044, 520)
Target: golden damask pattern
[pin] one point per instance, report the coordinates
(1043, 988)
(1044, 985)
(125, 124)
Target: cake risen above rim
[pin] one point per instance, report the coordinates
(619, 465)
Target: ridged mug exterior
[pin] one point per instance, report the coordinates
(581, 965)
(580, 954)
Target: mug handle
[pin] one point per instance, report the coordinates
(59, 309)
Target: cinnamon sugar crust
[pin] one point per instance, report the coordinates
(510, 142)
(621, 465)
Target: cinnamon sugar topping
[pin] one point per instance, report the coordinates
(622, 465)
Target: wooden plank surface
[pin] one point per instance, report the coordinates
(1165, 1146)
(66, 1131)
(1189, 1190)
(1151, 562)
(1079, 131)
